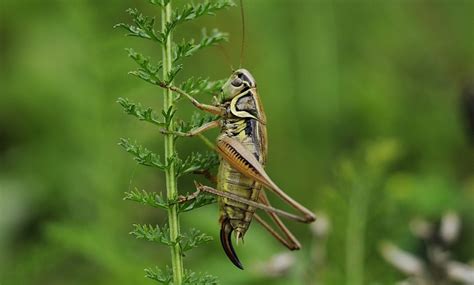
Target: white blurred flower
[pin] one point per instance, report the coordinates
(321, 227)
(278, 265)
(435, 265)
(450, 226)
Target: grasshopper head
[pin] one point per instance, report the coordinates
(240, 81)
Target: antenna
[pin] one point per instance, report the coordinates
(224, 52)
(243, 32)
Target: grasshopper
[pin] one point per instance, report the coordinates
(242, 146)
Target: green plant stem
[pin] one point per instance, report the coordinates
(171, 179)
(356, 226)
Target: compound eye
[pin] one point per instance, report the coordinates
(236, 82)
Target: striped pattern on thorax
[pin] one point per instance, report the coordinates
(252, 134)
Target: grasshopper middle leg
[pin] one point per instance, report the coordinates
(195, 131)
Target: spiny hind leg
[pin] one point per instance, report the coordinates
(257, 205)
(239, 157)
(289, 240)
(226, 230)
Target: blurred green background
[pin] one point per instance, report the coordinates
(361, 97)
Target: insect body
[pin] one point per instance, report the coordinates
(242, 146)
(243, 121)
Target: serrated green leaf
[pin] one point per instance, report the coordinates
(140, 112)
(172, 74)
(197, 120)
(168, 115)
(161, 276)
(192, 278)
(187, 49)
(204, 86)
(143, 28)
(161, 3)
(196, 162)
(146, 71)
(142, 155)
(152, 199)
(193, 239)
(154, 234)
(192, 11)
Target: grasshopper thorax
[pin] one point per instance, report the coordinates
(239, 82)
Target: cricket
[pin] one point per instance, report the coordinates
(242, 147)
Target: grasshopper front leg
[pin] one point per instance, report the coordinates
(216, 110)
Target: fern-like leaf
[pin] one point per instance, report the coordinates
(140, 112)
(146, 71)
(203, 86)
(187, 49)
(161, 276)
(196, 162)
(192, 278)
(143, 26)
(152, 199)
(193, 239)
(142, 155)
(193, 11)
(154, 234)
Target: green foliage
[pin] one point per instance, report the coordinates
(189, 48)
(193, 239)
(163, 277)
(161, 235)
(146, 71)
(161, 3)
(201, 200)
(196, 162)
(156, 200)
(194, 86)
(331, 77)
(152, 199)
(163, 75)
(193, 11)
(142, 155)
(154, 234)
(143, 28)
(193, 278)
(361, 178)
(190, 278)
(137, 110)
(197, 119)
